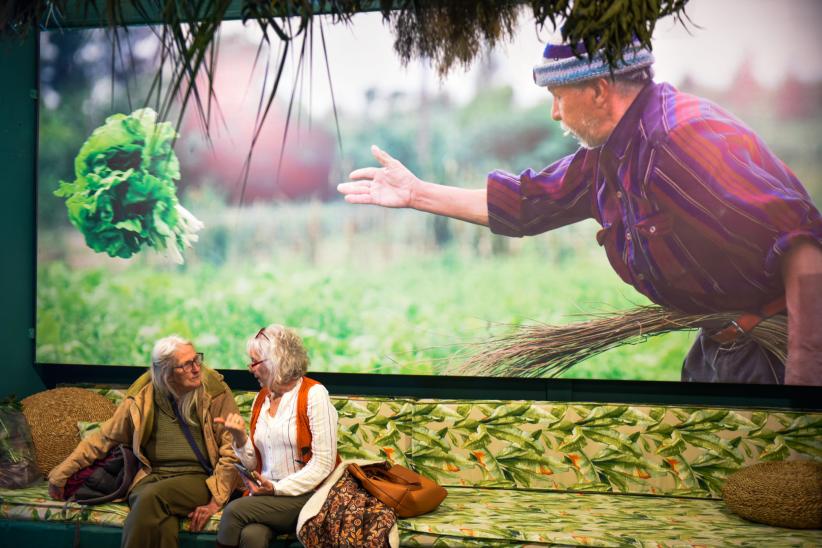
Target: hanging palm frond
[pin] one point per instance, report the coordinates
(551, 350)
(446, 32)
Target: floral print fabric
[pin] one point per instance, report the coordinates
(349, 518)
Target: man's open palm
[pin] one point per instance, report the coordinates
(391, 185)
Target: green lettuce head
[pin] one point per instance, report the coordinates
(124, 196)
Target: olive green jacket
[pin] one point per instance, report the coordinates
(132, 423)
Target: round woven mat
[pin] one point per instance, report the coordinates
(784, 493)
(52, 416)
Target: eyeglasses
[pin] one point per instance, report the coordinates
(255, 363)
(197, 361)
(260, 333)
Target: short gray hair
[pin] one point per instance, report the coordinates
(163, 362)
(625, 82)
(282, 349)
(633, 79)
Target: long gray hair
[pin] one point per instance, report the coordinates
(282, 349)
(163, 362)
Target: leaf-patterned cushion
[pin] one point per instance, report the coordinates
(511, 468)
(503, 517)
(682, 451)
(87, 428)
(33, 503)
(590, 447)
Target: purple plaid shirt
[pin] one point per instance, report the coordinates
(695, 210)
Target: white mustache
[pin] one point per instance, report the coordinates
(566, 132)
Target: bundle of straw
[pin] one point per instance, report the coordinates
(550, 350)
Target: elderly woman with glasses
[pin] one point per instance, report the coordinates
(291, 446)
(186, 460)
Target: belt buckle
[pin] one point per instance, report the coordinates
(739, 331)
(731, 334)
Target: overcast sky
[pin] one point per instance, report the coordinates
(779, 36)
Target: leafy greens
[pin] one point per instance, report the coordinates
(124, 195)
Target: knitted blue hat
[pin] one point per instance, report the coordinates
(559, 65)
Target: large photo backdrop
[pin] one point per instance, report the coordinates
(370, 290)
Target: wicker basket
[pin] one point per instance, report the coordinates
(52, 416)
(784, 493)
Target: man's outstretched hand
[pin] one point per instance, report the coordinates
(391, 185)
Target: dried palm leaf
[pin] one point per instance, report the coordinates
(446, 32)
(550, 350)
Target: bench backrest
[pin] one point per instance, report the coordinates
(640, 449)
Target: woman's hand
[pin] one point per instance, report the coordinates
(57, 492)
(235, 425)
(391, 185)
(267, 487)
(199, 516)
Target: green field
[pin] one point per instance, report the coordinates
(394, 308)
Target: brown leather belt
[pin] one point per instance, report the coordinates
(747, 321)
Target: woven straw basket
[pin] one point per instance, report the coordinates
(52, 416)
(784, 493)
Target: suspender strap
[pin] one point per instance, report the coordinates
(747, 321)
(187, 433)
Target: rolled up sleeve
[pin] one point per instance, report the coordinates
(535, 202)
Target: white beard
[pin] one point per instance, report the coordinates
(566, 131)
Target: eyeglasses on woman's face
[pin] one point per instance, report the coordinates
(196, 361)
(255, 363)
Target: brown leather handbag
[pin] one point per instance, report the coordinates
(404, 491)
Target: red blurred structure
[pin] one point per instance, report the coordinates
(306, 161)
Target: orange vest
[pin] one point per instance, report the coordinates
(303, 428)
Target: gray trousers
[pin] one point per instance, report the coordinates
(157, 503)
(251, 521)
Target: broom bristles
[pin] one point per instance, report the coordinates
(550, 350)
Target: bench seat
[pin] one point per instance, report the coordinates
(537, 473)
(505, 517)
